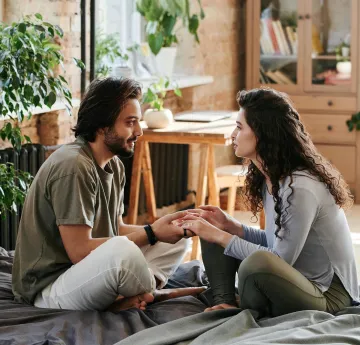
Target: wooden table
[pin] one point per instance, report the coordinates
(207, 134)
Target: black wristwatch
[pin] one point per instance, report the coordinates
(150, 234)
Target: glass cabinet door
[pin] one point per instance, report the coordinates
(279, 44)
(330, 40)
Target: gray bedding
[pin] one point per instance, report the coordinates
(178, 321)
(28, 325)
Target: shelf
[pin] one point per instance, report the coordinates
(182, 81)
(325, 57)
(58, 105)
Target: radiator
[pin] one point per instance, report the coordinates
(169, 164)
(29, 159)
(170, 173)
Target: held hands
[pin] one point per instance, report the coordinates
(167, 228)
(215, 216)
(200, 227)
(205, 230)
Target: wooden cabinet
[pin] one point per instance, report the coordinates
(310, 49)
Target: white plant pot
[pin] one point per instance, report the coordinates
(345, 51)
(165, 61)
(344, 67)
(158, 118)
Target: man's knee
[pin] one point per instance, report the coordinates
(259, 262)
(184, 245)
(119, 251)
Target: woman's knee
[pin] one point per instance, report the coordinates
(259, 262)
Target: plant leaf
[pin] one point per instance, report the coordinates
(51, 99)
(193, 24)
(156, 42)
(28, 92)
(22, 27)
(59, 31)
(36, 100)
(39, 28)
(168, 24)
(38, 16)
(79, 63)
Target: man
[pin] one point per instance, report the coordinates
(73, 250)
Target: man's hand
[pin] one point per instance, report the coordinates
(166, 231)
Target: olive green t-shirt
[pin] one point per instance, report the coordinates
(69, 188)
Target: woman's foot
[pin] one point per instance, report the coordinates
(139, 301)
(221, 306)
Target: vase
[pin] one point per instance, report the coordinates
(165, 61)
(158, 118)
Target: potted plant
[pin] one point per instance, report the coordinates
(157, 116)
(107, 52)
(29, 56)
(162, 17)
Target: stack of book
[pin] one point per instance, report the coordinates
(277, 77)
(276, 39)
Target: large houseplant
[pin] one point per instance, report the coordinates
(29, 57)
(162, 17)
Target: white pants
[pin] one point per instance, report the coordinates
(117, 267)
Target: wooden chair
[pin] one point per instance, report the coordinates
(231, 177)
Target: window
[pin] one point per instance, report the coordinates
(118, 25)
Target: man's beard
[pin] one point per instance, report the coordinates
(117, 144)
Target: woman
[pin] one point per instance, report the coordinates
(304, 259)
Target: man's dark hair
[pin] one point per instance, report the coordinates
(102, 103)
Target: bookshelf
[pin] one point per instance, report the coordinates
(310, 50)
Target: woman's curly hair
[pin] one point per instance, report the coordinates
(283, 146)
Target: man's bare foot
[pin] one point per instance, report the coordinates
(139, 301)
(165, 294)
(221, 306)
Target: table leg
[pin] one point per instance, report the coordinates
(200, 195)
(135, 183)
(214, 190)
(202, 182)
(149, 183)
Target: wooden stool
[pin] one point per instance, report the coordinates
(231, 177)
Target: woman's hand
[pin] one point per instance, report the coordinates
(217, 217)
(202, 228)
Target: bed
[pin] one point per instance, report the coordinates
(177, 321)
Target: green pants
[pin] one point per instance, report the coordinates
(268, 284)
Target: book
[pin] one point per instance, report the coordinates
(283, 38)
(267, 42)
(274, 77)
(270, 28)
(282, 76)
(291, 39)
